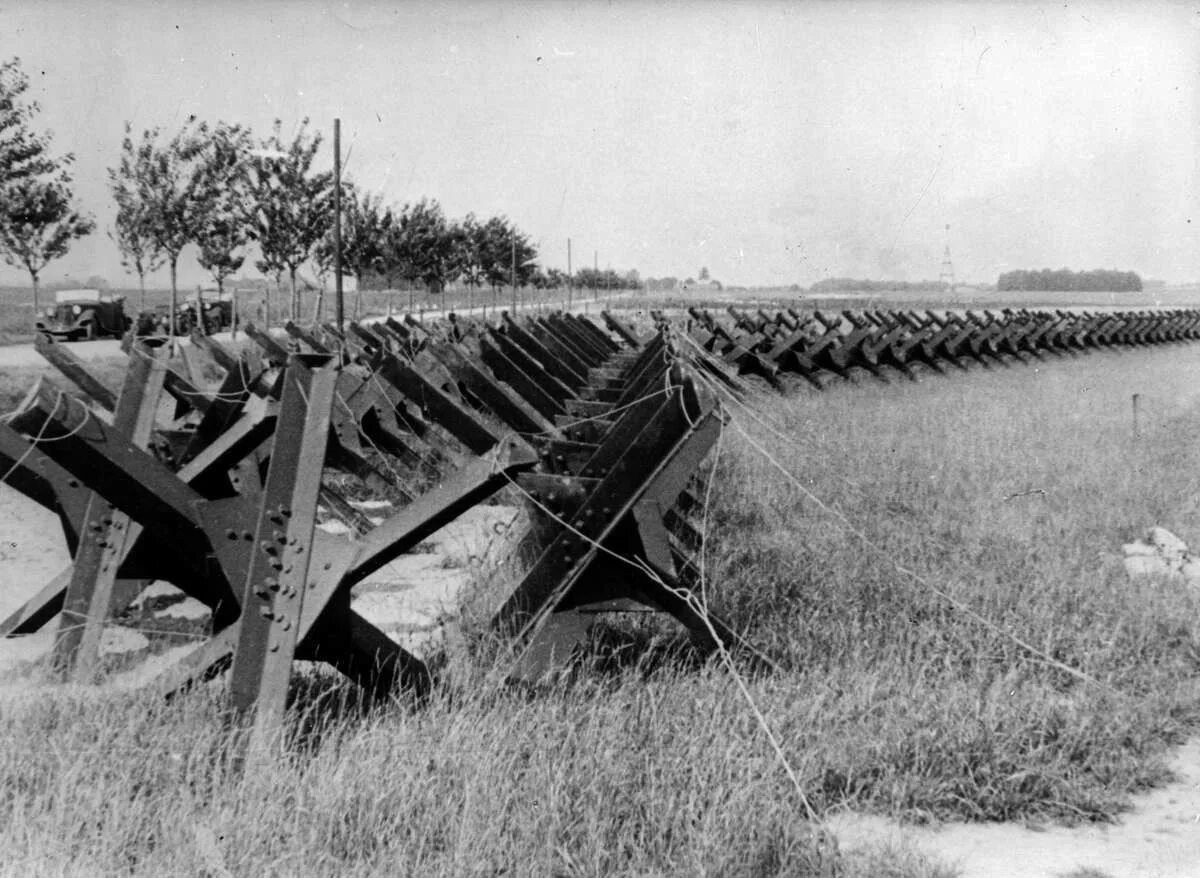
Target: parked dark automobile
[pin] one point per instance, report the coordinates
(153, 322)
(218, 311)
(218, 315)
(80, 315)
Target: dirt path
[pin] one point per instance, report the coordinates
(14, 355)
(1158, 838)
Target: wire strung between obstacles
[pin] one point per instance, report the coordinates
(700, 607)
(732, 398)
(41, 437)
(954, 602)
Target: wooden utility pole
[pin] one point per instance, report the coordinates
(337, 224)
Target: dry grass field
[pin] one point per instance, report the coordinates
(935, 566)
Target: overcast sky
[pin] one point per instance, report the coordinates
(772, 143)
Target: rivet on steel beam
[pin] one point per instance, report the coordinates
(272, 583)
(74, 483)
(267, 546)
(266, 612)
(247, 535)
(231, 534)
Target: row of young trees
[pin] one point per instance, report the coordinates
(1098, 280)
(221, 189)
(230, 194)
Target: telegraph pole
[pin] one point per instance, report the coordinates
(337, 224)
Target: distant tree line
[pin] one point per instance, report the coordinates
(1098, 280)
(848, 284)
(667, 284)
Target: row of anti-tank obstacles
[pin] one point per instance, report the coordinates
(601, 431)
(818, 347)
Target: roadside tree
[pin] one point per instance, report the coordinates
(291, 205)
(221, 230)
(38, 217)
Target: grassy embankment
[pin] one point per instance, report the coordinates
(1010, 490)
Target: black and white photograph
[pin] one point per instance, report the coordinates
(600, 438)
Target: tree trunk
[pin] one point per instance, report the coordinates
(200, 310)
(295, 309)
(37, 312)
(318, 306)
(142, 286)
(174, 305)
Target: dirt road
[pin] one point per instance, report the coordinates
(17, 355)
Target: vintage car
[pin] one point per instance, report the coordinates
(217, 307)
(80, 315)
(154, 322)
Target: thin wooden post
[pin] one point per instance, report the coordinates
(337, 224)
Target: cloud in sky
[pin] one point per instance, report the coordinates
(772, 143)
